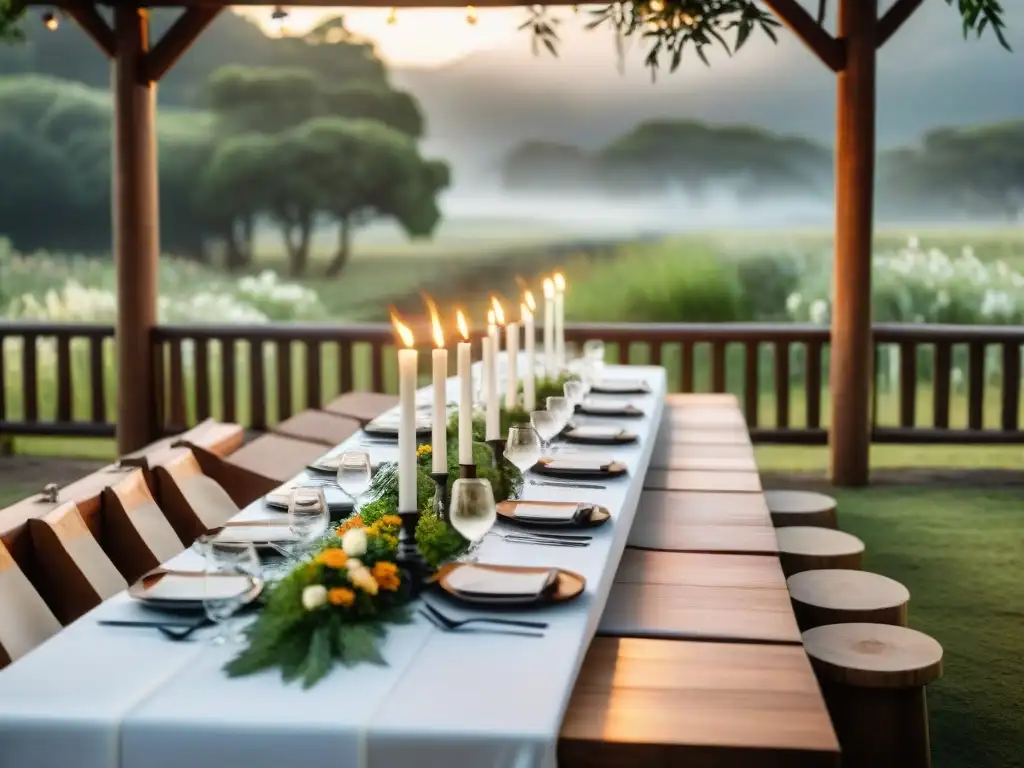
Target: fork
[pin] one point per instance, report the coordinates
(519, 538)
(451, 624)
(170, 630)
(564, 484)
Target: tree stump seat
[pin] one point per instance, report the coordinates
(873, 677)
(806, 548)
(789, 508)
(843, 596)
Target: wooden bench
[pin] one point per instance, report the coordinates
(364, 407)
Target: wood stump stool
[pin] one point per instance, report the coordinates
(873, 677)
(841, 596)
(804, 548)
(790, 508)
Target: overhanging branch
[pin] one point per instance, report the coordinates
(831, 51)
(86, 16)
(894, 18)
(177, 40)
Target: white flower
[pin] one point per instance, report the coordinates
(314, 596)
(353, 564)
(819, 312)
(793, 302)
(354, 542)
(363, 579)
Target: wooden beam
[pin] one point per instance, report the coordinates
(851, 352)
(176, 41)
(136, 230)
(894, 18)
(86, 16)
(827, 48)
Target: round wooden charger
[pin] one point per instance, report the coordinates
(597, 516)
(568, 585)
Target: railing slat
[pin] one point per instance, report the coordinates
(63, 378)
(201, 366)
(228, 392)
(3, 381)
(176, 385)
(976, 385)
(624, 352)
(752, 383)
(655, 347)
(813, 384)
(314, 397)
(943, 371)
(257, 386)
(1011, 386)
(159, 387)
(29, 377)
(377, 367)
(718, 366)
(908, 383)
(97, 379)
(687, 363)
(782, 384)
(345, 366)
(284, 380)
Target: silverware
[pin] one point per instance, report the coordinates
(452, 624)
(516, 538)
(546, 535)
(172, 630)
(564, 484)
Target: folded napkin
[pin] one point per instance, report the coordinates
(484, 582)
(392, 423)
(604, 406)
(578, 465)
(621, 385)
(552, 513)
(257, 532)
(172, 586)
(590, 432)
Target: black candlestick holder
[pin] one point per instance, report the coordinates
(498, 449)
(467, 471)
(408, 556)
(441, 500)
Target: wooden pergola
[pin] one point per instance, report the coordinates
(139, 63)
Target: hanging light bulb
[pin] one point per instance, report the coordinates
(50, 21)
(392, 16)
(277, 19)
(471, 17)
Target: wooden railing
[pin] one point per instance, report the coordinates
(953, 384)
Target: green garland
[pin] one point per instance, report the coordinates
(336, 607)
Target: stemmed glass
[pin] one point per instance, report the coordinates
(224, 596)
(562, 408)
(593, 356)
(354, 475)
(473, 511)
(575, 391)
(547, 426)
(523, 447)
(308, 516)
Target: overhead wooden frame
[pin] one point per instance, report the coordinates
(894, 18)
(831, 51)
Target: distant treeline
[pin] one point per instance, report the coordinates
(969, 172)
(287, 146)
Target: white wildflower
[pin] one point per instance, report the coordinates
(314, 596)
(354, 542)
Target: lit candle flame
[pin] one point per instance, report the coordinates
(490, 317)
(435, 321)
(528, 297)
(402, 329)
(559, 281)
(549, 288)
(525, 311)
(460, 321)
(499, 314)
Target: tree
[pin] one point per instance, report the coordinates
(362, 171)
(548, 165)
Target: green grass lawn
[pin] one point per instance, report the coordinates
(959, 551)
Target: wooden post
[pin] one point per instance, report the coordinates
(136, 233)
(851, 318)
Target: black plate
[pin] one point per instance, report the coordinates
(587, 516)
(628, 410)
(642, 388)
(614, 469)
(392, 434)
(623, 438)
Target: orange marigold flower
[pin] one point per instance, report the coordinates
(348, 525)
(341, 596)
(390, 520)
(333, 558)
(386, 576)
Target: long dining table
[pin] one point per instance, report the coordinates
(97, 696)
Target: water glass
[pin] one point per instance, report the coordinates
(354, 475)
(593, 356)
(473, 511)
(308, 516)
(221, 599)
(523, 447)
(547, 425)
(562, 408)
(575, 391)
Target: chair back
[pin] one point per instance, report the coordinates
(136, 534)
(75, 574)
(25, 620)
(192, 500)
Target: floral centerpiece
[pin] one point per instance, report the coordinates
(335, 608)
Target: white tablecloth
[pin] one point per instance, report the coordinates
(106, 697)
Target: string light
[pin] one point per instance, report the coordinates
(471, 17)
(277, 19)
(392, 15)
(50, 21)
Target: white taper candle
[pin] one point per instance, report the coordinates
(439, 447)
(512, 349)
(407, 471)
(465, 403)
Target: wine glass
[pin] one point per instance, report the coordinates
(547, 425)
(232, 570)
(562, 408)
(593, 355)
(575, 391)
(473, 512)
(354, 475)
(523, 447)
(308, 516)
